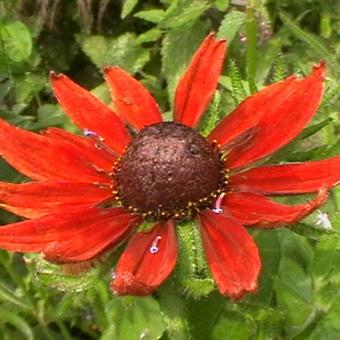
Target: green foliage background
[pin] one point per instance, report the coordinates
(299, 294)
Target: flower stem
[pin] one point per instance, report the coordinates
(251, 54)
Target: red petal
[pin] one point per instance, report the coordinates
(87, 147)
(288, 114)
(199, 82)
(90, 113)
(297, 178)
(256, 209)
(68, 237)
(139, 272)
(248, 114)
(33, 200)
(131, 100)
(231, 253)
(43, 158)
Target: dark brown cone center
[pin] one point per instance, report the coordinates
(167, 170)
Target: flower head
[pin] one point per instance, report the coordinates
(89, 193)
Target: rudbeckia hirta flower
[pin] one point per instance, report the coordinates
(89, 193)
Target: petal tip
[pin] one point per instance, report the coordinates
(213, 36)
(55, 75)
(125, 283)
(320, 69)
(110, 68)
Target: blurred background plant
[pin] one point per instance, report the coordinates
(299, 294)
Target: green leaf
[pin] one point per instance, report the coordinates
(152, 15)
(327, 258)
(175, 312)
(230, 25)
(128, 7)
(177, 49)
(235, 325)
(135, 318)
(17, 322)
(312, 41)
(185, 13)
(151, 35)
(269, 246)
(293, 287)
(28, 85)
(7, 296)
(16, 40)
(124, 51)
(51, 275)
(328, 326)
(325, 25)
(222, 5)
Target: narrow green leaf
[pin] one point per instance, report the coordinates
(128, 7)
(211, 118)
(152, 15)
(279, 69)
(251, 48)
(7, 296)
(148, 36)
(238, 90)
(17, 322)
(312, 41)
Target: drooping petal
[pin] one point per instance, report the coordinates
(86, 146)
(141, 268)
(34, 200)
(88, 112)
(67, 237)
(295, 178)
(248, 114)
(43, 158)
(231, 253)
(294, 108)
(258, 210)
(131, 100)
(199, 81)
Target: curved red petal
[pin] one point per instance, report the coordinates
(69, 237)
(249, 113)
(139, 271)
(34, 200)
(259, 211)
(288, 114)
(87, 147)
(295, 178)
(131, 100)
(88, 112)
(199, 81)
(231, 253)
(43, 158)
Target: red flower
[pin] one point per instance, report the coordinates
(89, 194)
